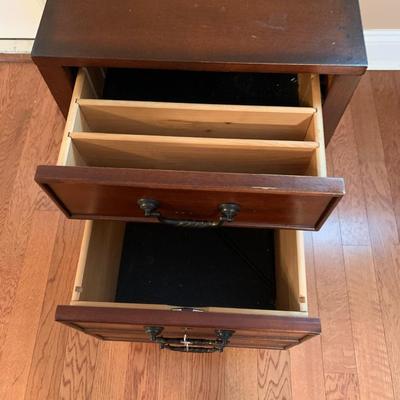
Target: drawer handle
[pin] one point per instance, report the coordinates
(228, 211)
(187, 345)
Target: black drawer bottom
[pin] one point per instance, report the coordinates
(223, 267)
(202, 87)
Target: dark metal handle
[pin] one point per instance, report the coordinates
(228, 212)
(190, 345)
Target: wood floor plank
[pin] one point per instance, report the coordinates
(174, 367)
(24, 319)
(38, 145)
(40, 127)
(384, 236)
(340, 368)
(241, 374)
(143, 373)
(351, 210)
(365, 123)
(18, 87)
(368, 330)
(337, 339)
(206, 377)
(387, 103)
(381, 220)
(79, 366)
(273, 375)
(48, 356)
(341, 386)
(110, 370)
(308, 383)
(45, 131)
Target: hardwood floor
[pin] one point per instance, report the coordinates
(353, 276)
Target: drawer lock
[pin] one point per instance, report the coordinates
(228, 211)
(188, 345)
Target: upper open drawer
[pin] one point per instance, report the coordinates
(189, 160)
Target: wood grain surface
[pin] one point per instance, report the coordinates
(258, 331)
(227, 35)
(196, 120)
(357, 356)
(182, 153)
(281, 201)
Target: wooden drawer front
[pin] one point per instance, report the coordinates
(250, 331)
(191, 158)
(94, 309)
(264, 200)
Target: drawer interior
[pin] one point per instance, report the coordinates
(196, 121)
(206, 87)
(237, 270)
(191, 267)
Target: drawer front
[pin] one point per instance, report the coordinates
(250, 331)
(262, 200)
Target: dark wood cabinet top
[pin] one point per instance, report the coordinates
(323, 36)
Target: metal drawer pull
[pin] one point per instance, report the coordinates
(228, 212)
(187, 345)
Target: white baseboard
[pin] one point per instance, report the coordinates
(383, 48)
(16, 46)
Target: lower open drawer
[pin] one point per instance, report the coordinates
(191, 289)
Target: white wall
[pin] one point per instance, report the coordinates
(19, 19)
(380, 14)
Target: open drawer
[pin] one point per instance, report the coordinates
(191, 289)
(187, 160)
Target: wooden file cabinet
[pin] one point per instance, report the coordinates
(196, 115)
